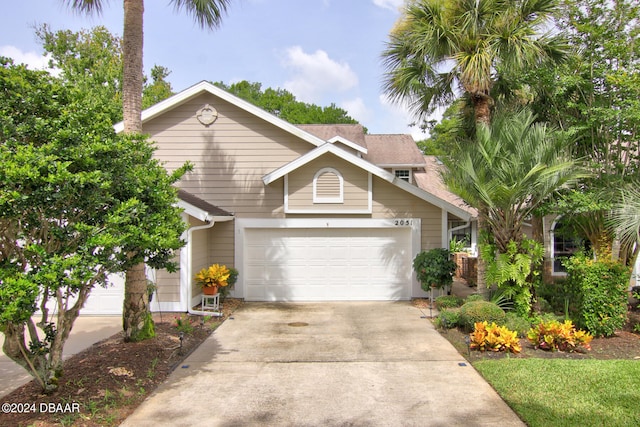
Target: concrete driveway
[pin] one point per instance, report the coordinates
(325, 364)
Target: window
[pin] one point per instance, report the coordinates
(328, 186)
(565, 241)
(461, 232)
(404, 174)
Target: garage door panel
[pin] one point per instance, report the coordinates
(328, 264)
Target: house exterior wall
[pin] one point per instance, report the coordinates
(355, 187)
(391, 202)
(230, 156)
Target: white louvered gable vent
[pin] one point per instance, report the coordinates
(328, 186)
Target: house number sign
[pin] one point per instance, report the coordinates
(402, 222)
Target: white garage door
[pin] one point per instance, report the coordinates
(319, 264)
(106, 301)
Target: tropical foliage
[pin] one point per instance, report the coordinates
(214, 275)
(556, 336)
(491, 337)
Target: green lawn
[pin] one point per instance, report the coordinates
(554, 393)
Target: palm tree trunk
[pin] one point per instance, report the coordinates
(482, 111)
(137, 322)
(481, 280)
(482, 108)
(136, 318)
(132, 62)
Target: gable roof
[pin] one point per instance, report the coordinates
(201, 209)
(431, 182)
(371, 168)
(351, 132)
(206, 87)
(393, 151)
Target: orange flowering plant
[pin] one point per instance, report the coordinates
(214, 275)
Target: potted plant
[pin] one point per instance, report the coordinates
(212, 278)
(434, 268)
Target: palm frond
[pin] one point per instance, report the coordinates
(207, 13)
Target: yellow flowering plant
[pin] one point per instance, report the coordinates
(214, 275)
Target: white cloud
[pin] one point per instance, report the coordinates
(358, 110)
(393, 5)
(316, 75)
(32, 60)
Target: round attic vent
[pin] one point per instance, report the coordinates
(207, 115)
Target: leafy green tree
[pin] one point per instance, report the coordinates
(595, 95)
(283, 104)
(159, 89)
(75, 201)
(444, 135)
(136, 318)
(512, 167)
(92, 60)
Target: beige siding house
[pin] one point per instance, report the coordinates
(305, 213)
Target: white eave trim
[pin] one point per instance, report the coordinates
(204, 86)
(348, 143)
(201, 214)
(369, 167)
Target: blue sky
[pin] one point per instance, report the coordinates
(323, 51)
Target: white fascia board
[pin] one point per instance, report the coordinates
(201, 214)
(348, 143)
(204, 86)
(369, 167)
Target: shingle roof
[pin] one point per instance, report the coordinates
(431, 182)
(393, 150)
(212, 210)
(352, 132)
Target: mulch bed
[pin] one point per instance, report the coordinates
(624, 344)
(104, 384)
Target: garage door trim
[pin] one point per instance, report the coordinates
(414, 224)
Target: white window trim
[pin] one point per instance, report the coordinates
(339, 199)
(404, 170)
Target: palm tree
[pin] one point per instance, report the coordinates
(514, 165)
(137, 322)
(439, 48)
(625, 220)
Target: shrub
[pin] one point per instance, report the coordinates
(233, 277)
(448, 319)
(600, 289)
(434, 268)
(480, 311)
(447, 301)
(474, 297)
(553, 336)
(491, 337)
(517, 323)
